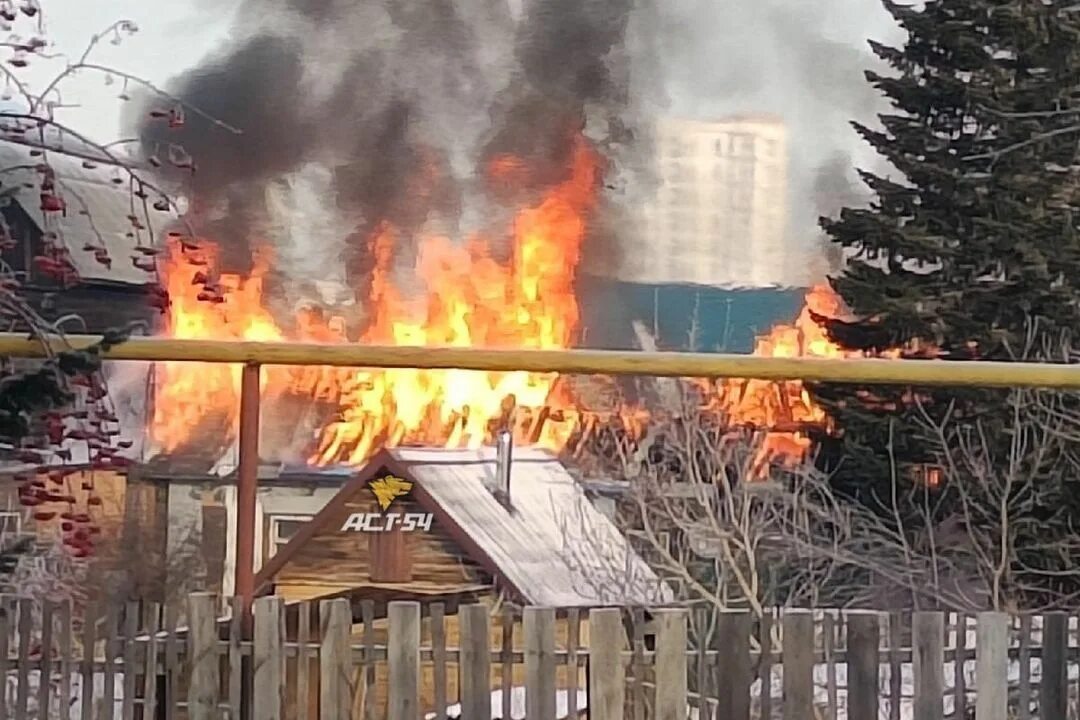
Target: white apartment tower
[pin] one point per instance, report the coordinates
(719, 213)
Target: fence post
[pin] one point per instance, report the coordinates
(1053, 691)
(403, 660)
(864, 644)
(669, 665)
(203, 657)
(267, 664)
(992, 666)
(798, 656)
(538, 626)
(928, 664)
(335, 665)
(474, 662)
(734, 668)
(607, 678)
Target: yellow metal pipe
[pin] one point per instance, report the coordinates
(589, 362)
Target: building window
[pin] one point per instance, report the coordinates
(10, 523)
(282, 530)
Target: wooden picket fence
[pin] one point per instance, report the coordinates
(438, 661)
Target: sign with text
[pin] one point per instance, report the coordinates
(386, 490)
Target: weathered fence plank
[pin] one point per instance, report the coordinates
(828, 636)
(89, 640)
(637, 664)
(734, 665)
(335, 624)
(765, 663)
(367, 612)
(150, 664)
(798, 658)
(928, 664)
(607, 678)
(236, 655)
(896, 642)
(131, 629)
(302, 695)
(5, 651)
(992, 666)
(863, 647)
(507, 659)
(1053, 689)
(475, 662)
(959, 676)
(107, 702)
(573, 628)
(538, 627)
(438, 658)
(1023, 702)
(45, 662)
(403, 660)
(269, 681)
(670, 664)
(26, 628)
(202, 657)
(172, 664)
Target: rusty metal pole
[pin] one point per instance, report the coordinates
(247, 478)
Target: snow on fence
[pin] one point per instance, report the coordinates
(407, 660)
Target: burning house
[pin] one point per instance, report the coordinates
(443, 183)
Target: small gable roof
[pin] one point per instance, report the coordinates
(551, 545)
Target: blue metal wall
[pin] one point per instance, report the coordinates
(728, 320)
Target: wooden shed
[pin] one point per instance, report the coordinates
(440, 526)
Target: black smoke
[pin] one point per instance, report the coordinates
(406, 101)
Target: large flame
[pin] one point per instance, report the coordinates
(470, 299)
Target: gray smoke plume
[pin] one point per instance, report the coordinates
(801, 61)
(389, 110)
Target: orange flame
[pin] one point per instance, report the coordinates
(470, 299)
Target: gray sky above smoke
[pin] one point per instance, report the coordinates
(800, 60)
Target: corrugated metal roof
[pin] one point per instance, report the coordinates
(552, 544)
(97, 210)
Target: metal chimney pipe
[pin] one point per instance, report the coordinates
(503, 457)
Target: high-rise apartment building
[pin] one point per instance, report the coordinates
(719, 212)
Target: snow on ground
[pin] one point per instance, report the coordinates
(74, 703)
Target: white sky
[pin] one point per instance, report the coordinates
(173, 35)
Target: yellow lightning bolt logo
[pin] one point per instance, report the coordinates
(388, 489)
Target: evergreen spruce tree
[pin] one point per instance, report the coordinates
(972, 240)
